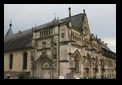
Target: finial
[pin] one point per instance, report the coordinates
(57, 19)
(84, 11)
(10, 23)
(69, 11)
(99, 39)
(69, 8)
(106, 44)
(54, 16)
(69, 14)
(35, 27)
(32, 28)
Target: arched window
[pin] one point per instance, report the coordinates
(11, 61)
(25, 60)
(76, 63)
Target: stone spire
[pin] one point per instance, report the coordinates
(9, 32)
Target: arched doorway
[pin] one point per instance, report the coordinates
(44, 64)
(46, 70)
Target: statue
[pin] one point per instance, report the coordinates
(72, 62)
(33, 43)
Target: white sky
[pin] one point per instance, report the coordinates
(101, 17)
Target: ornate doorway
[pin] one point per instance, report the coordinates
(44, 68)
(46, 71)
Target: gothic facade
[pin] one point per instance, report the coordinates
(62, 48)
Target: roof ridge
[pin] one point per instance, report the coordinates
(48, 23)
(71, 16)
(45, 24)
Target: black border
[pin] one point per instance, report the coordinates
(51, 2)
(2, 43)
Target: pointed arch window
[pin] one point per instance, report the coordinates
(76, 63)
(11, 61)
(25, 60)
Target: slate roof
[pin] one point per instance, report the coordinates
(23, 39)
(18, 40)
(77, 20)
(105, 47)
(108, 52)
(49, 24)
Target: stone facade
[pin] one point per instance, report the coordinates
(61, 49)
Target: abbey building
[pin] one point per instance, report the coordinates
(60, 49)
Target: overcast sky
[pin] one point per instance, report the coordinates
(101, 17)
